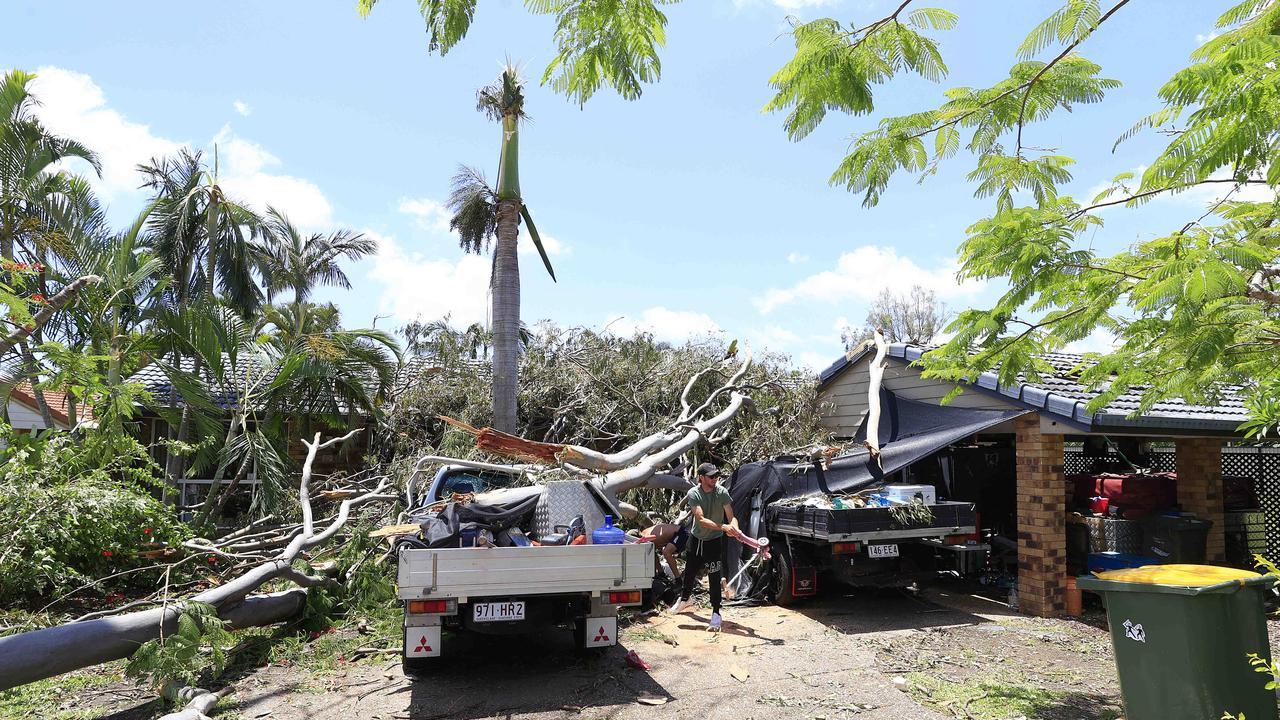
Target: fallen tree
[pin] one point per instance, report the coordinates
(30, 656)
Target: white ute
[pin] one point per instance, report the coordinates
(504, 590)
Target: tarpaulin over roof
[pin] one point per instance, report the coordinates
(909, 431)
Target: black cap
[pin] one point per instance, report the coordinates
(708, 470)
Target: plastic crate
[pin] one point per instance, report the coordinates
(1114, 535)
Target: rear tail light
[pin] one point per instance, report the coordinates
(624, 598)
(431, 607)
(844, 548)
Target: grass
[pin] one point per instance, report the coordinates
(647, 632)
(1000, 698)
(47, 699)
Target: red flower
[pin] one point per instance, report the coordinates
(146, 531)
(39, 299)
(213, 558)
(107, 553)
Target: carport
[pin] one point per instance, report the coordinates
(1055, 415)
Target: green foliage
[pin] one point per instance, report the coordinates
(599, 43)
(605, 392)
(198, 647)
(834, 67)
(72, 511)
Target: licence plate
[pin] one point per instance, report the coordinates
(500, 611)
(882, 551)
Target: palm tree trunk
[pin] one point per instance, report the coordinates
(29, 360)
(506, 316)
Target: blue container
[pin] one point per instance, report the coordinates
(1119, 561)
(607, 535)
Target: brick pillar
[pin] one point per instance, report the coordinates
(1200, 488)
(1042, 520)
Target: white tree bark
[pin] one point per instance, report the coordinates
(876, 374)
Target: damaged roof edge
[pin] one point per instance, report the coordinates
(1069, 410)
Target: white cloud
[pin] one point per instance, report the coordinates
(664, 324)
(551, 244)
(815, 361)
(1100, 341)
(796, 257)
(73, 105)
(427, 214)
(774, 337)
(862, 273)
(242, 108)
(1202, 38)
(415, 286)
(242, 165)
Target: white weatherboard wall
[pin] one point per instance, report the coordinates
(843, 403)
(22, 417)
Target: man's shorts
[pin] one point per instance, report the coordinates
(681, 539)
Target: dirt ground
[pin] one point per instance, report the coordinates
(892, 655)
(872, 655)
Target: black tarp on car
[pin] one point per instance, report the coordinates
(909, 432)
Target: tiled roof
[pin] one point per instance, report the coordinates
(153, 378)
(57, 402)
(1061, 395)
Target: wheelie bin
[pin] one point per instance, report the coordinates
(1182, 636)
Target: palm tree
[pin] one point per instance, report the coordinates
(28, 152)
(293, 260)
(481, 214)
(203, 240)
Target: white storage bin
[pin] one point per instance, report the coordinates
(907, 493)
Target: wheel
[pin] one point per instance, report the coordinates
(782, 570)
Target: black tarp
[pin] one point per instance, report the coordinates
(909, 432)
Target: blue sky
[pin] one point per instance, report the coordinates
(683, 212)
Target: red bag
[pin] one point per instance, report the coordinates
(1131, 495)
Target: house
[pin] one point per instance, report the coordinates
(1050, 414)
(24, 410)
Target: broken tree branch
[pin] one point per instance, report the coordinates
(876, 372)
(35, 655)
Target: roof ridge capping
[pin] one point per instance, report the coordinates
(1061, 394)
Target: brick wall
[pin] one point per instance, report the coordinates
(1042, 511)
(1200, 488)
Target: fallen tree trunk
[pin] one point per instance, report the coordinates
(39, 654)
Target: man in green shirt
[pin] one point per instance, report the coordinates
(712, 518)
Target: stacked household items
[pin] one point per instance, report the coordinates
(1130, 520)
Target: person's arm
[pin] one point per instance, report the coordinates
(702, 521)
(730, 528)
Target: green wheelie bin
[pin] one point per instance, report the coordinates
(1182, 636)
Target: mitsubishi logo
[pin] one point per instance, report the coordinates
(600, 636)
(423, 645)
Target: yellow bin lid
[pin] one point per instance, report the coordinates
(1182, 575)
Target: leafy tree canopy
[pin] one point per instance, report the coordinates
(1193, 310)
(599, 43)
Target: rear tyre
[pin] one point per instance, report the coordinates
(783, 566)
